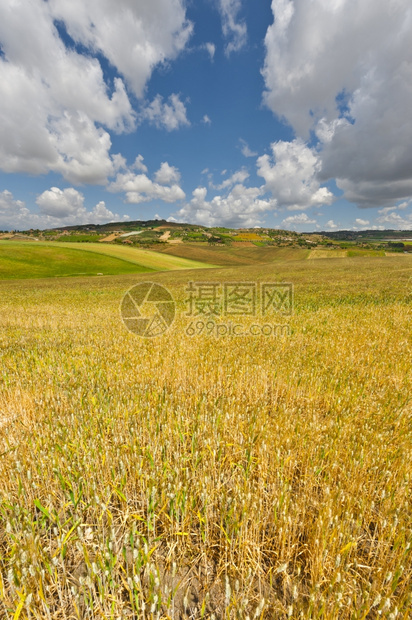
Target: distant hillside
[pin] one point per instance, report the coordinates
(356, 235)
(195, 241)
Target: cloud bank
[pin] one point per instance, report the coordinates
(57, 208)
(57, 107)
(344, 73)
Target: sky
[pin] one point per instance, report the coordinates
(238, 113)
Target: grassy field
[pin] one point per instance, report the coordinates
(146, 258)
(41, 260)
(321, 253)
(35, 260)
(203, 476)
(366, 252)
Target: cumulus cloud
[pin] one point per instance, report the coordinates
(393, 220)
(360, 222)
(67, 206)
(241, 207)
(330, 225)
(57, 108)
(234, 30)
(56, 208)
(167, 174)
(140, 188)
(236, 178)
(61, 203)
(13, 213)
(291, 175)
(133, 36)
(348, 78)
(138, 164)
(166, 115)
(206, 120)
(294, 221)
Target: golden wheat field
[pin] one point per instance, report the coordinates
(207, 476)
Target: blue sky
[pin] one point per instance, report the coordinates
(219, 112)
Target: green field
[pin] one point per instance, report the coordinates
(43, 259)
(35, 260)
(365, 252)
(208, 476)
(146, 258)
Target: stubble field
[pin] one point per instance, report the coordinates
(204, 476)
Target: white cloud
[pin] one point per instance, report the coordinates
(234, 31)
(138, 164)
(61, 203)
(13, 213)
(169, 116)
(210, 48)
(294, 221)
(57, 208)
(395, 221)
(83, 149)
(133, 36)
(330, 225)
(140, 188)
(67, 207)
(56, 108)
(241, 207)
(360, 222)
(236, 178)
(350, 81)
(291, 175)
(102, 214)
(167, 174)
(206, 120)
(386, 210)
(246, 151)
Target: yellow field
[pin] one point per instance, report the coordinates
(247, 237)
(204, 476)
(327, 254)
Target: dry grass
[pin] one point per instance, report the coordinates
(249, 237)
(243, 253)
(204, 477)
(314, 254)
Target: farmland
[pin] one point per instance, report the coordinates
(42, 260)
(26, 260)
(145, 258)
(198, 476)
(226, 256)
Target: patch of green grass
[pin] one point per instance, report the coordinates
(40, 260)
(82, 238)
(147, 258)
(365, 252)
